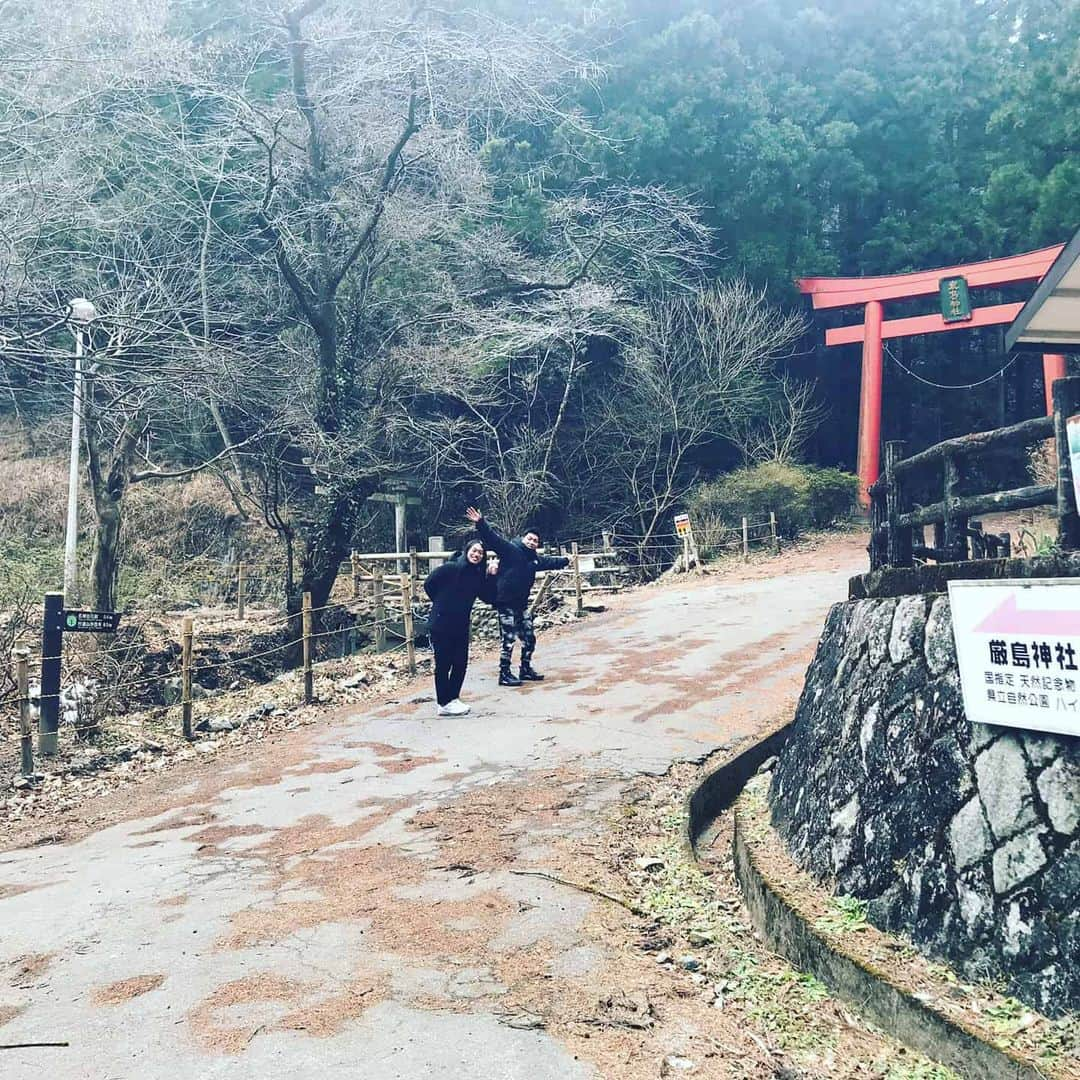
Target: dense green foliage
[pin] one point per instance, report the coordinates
(855, 136)
(801, 496)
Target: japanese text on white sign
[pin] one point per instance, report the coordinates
(1018, 649)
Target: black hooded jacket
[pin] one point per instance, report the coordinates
(453, 587)
(518, 566)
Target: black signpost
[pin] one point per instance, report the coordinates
(58, 621)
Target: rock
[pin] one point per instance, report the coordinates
(236, 684)
(689, 963)
(1004, 787)
(1015, 861)
(1061, 882)
(938, 644)
(1059, 787)
(843, 823)
(205, 747)
(217, 724)
(981, 736)
(171, 691)
(880, 630)
(673, 1064)
(969, 835)
(767, 765)
(663, 958)
(649, 863)
(908, 626)
(361, 678)
(523, 1021)
(975, 902)
(699, 938)
(1042, 749)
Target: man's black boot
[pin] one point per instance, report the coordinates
(529, 674)
(507, 677)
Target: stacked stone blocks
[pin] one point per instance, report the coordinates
(963, 836)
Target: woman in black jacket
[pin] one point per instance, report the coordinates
(453, 587)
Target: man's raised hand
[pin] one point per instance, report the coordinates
(473, 514)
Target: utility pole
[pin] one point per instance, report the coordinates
(82, 313)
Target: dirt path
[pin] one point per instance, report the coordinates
(412, 896)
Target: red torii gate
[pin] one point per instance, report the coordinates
(873, 292)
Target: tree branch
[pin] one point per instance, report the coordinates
(386, 182)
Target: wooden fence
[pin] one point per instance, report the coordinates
(897, 524)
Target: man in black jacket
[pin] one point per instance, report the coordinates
(518, 567)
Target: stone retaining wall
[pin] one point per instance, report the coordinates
(963, 836)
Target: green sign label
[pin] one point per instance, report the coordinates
(955, 302)
(89, 622)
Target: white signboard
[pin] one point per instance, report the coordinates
(1072, 428)
(1018, 646)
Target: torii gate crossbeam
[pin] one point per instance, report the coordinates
(873, 292)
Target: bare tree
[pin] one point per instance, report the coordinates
(698, 371)
(791, 414)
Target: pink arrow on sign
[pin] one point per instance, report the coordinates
(1007, 618)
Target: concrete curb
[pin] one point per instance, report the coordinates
(722, 786)
(871, 992)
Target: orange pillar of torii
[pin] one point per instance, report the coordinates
(873, 292)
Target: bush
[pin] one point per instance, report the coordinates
(832, 495)
(801, 496)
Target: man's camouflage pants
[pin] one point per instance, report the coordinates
(515, 624)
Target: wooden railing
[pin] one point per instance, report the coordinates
(896, 523)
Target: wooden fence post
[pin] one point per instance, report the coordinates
(241, 586)
(699, 567)
(377, 587)
(309, 676)
(542, 592)
(354, 563)
(956, 542)
(407, 618)
(1066, 401)
(26, 734)
(436, 543)
(608, 540)
(745, 541)
(898, 538)
(774, 538)
(186, 647)
(414, 566)
(575, 560)
(686, 553)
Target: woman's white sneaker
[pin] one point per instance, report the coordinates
(454, 708)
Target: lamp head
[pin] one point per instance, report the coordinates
(81, 310)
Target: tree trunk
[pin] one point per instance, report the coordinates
(326, 548)
(105, 567)
(108, 486)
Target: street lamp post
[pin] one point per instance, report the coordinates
(82, 313)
